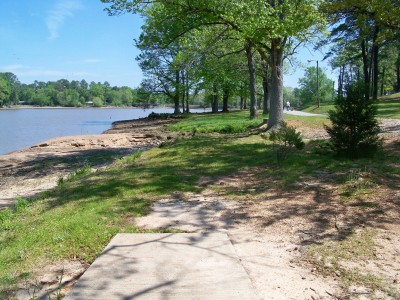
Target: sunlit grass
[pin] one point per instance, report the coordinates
(388, 107)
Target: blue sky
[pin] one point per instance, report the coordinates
(73, 39)
(47, 40)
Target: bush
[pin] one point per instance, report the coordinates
(286, 139)
(354, 130)
(162, 116)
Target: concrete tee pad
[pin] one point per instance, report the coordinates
(166, 266)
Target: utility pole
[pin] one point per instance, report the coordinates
(317, 83)
(317, 80)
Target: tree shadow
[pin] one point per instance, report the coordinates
(165, 266)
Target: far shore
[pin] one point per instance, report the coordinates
(82, 107)
(101, 107)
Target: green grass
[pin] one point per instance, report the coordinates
(234, 122)
(388, 107)
(322, 109)
(77, 219)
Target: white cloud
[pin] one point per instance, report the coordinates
(56, 17)
(43, 73)
(12, 68)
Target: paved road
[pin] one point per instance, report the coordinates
(301, 113)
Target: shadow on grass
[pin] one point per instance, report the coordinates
(45, 164)
(168, 170)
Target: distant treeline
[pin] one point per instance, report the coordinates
(69, 93)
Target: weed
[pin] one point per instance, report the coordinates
(357, 184)
(6, 216)
(286, 139)
(21, 204)
(81, 172)
(130, 159)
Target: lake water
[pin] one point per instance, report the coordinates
(22, 128)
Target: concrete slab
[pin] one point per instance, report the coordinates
(166, 266)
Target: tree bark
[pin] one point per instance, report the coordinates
(176, 96)
(214, 104)
(383, 81)
(364, 53)
(375, 52)
(398, 74)
(253, 88)
(265, 95)
(187, 93)
(265, 81)
(276, 88)
(225, 98)
(183, 91)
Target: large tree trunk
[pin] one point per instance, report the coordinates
(265, 81)
(225, 98)
(176, 96)
(276, 88)
(214, 102)
(253, 88)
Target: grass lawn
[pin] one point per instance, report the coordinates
(77, 219)
(388, 107)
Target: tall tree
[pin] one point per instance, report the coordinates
(269, 25)
(370, 23)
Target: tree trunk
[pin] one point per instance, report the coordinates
(365, 69)
(225, 98)
(276, 88)
(375, 52)
(265, 95)
(176, 96)
(214, 103)
(398, 74)
(340, 82)
(253, 88)
(265, 81)
(383, 81)
(183, 91)
(187, 93)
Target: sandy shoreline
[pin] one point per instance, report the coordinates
(36, 169)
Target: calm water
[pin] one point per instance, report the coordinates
(22, 128)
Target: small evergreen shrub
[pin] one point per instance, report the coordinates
(286, 140)
(354, 130)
